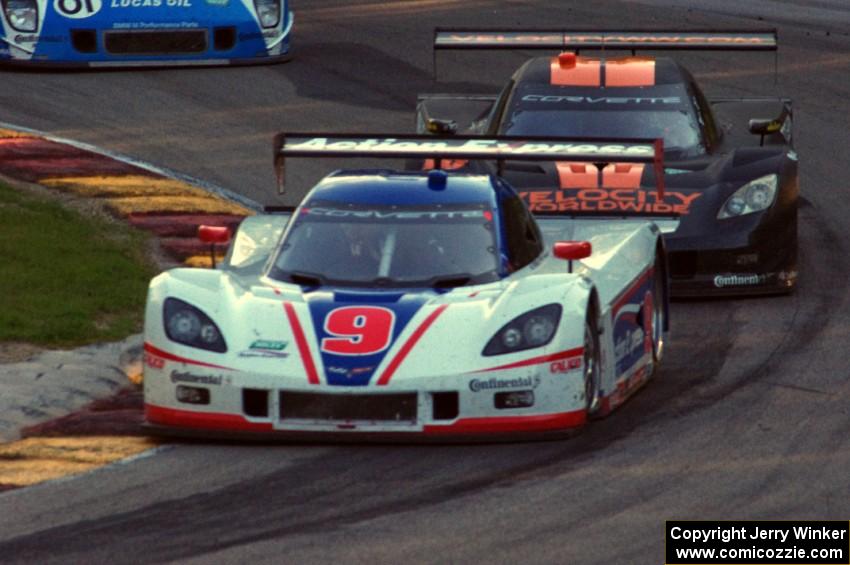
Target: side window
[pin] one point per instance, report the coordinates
(499, 109)
(705, 117)
(524, 241)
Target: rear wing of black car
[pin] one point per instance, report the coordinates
(722, 40)
(551, 39)
(598, 151)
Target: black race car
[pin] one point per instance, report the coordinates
(729, 204)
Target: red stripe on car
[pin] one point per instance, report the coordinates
(301, 341)
(508, 424)
(408, 346)
(576, 352)
(201, 420)
(153, 350)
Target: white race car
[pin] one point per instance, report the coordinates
(396, 302)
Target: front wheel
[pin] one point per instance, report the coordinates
(591, 362)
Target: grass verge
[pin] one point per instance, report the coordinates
(68, 279)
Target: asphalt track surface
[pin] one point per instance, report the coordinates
(749, 417)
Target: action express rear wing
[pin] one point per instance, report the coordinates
(587, 150)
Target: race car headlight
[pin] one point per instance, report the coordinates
(268, 11)
(21, 14)
(533, 329)
(754, 196)
(187, 325)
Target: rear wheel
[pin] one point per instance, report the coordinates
(591, 362)
(655, 313)
(659, 310)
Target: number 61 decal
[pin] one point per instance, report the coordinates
(77, 9)
(358, 330)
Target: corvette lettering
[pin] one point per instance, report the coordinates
(484, 147)
(602, 99)
(608, 200)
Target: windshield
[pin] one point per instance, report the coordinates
(622, 113)
(441, 246)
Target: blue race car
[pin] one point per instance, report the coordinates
(103, 33)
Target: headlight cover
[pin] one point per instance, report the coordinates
(268, 11)
(22, 15)
(188, 325)
(533, 329)
(754, 196)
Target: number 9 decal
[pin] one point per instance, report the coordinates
(77, 9)
(358, 330)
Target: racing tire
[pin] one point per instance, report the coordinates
(591, 363)
(656, 318)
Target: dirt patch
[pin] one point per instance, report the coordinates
(16, 352)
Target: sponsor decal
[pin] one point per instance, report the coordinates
(269, 344)
(186, 377)
(149, 3)
(478, 385)
(607, 200)
(155, 25)
(39, 39)
(602, 100)
(486, 147)
(722, 281)
(389, 215)
(350, 372)
(631, 342)
(154, 361)
(565, 365)
(266, 348)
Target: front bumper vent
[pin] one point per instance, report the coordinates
(160, 42)
(393, 407)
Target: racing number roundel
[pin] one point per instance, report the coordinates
(358, 330)
(77, 9)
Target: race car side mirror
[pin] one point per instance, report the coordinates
(571, 251)
(764, 127)
(441, 127)
(213, 235)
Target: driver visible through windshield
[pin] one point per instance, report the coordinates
(374, 245)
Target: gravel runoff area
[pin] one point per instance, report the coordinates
(53, 384)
